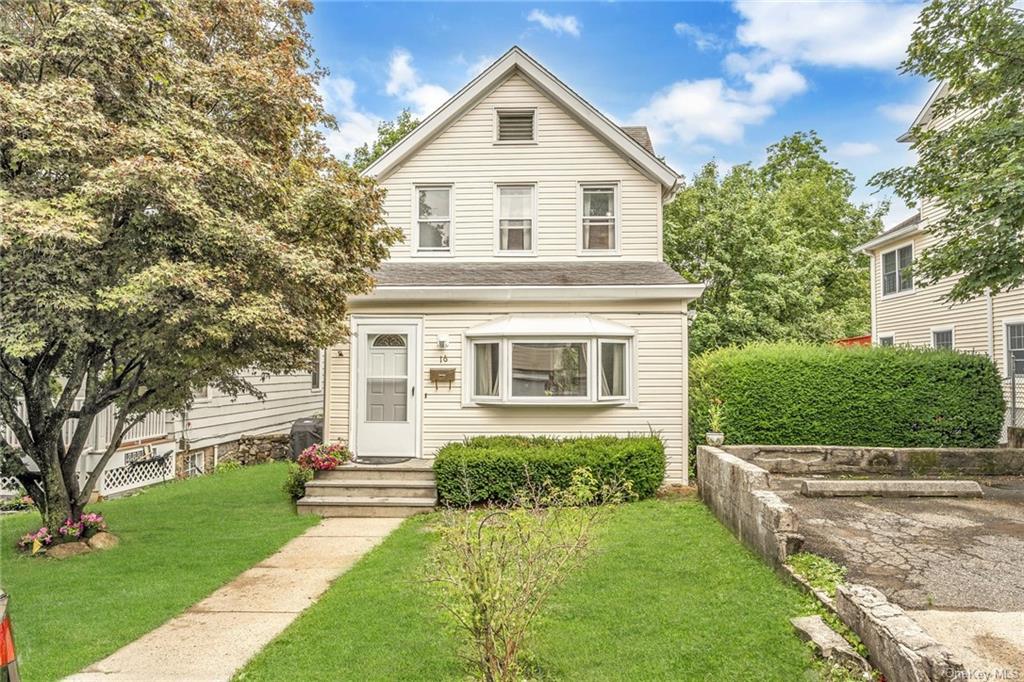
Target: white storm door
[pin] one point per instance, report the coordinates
(387, 394)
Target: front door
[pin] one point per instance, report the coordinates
(387, 415)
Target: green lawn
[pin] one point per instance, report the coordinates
(179, 542)
(669, 595)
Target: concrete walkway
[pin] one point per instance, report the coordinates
(214, 639)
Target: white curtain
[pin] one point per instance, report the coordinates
(486, 368)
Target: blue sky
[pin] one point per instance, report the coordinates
(711, 80)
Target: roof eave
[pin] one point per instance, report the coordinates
(888, 237)
(685, 291)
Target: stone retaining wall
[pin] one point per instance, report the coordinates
(259, 449)
(737, 493)
(898, 646)
(830, 459)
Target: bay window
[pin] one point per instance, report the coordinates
(535, 370)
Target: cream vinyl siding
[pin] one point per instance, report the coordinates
(565, 153)
(660, 352)
(222, 419)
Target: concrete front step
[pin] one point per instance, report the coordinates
(387, 507)
(364, 472)
(345, 488)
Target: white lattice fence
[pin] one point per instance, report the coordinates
(137, 474)
(9, 486)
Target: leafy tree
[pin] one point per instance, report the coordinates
(389, 133)
(970, 165)
(170, 216)
(775, 246)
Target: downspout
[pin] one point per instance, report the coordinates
(990, 319)
(874, 306)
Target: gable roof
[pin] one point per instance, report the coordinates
(925, 115)
(641, 135)
(902, 229)
(517, 61)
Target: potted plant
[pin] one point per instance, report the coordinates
(715, 436)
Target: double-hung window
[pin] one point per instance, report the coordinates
(942, 338)
(599, 217)
(516, 218)
(511, 366)
(1015, 348)
(433, 212)
(898, 270)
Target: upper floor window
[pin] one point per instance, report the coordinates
(942, 338)
(516, 217)
(433, 219)
(599, 217)
(898, 270)
(515, 125)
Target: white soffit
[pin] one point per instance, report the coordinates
(550, 325)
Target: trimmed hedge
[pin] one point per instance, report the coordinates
(797, 394)
(496, 468)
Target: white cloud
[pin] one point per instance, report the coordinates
(843, 34)
(778, 83)
(702, 39)
(710, 109)
(856, 149)
(355, 127)
(404, 83)
(900, 113)
(556, 23)
(474, 69)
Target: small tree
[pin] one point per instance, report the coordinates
(495, 568)
(170, 217)
(971, 167)
(389, 133)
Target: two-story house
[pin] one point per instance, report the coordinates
(528, 295)
(903, 313)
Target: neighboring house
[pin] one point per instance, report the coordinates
(166, 445)
(528, 295)
(904, 313)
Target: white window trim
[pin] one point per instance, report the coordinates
(881, 269)
(416, 250)
(952, 333)
(515, 143)
(1006, 343)
(505, 398)
(885, 335)
(617, 197)
(497, 220)
(323, 367)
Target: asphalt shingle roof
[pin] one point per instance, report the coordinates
(625, 273)
(641, 135)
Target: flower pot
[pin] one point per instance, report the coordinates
(714, 438)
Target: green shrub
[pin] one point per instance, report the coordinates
(496, 468)
(295, 483)
(797, 394)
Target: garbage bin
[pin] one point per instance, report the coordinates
(305, 432)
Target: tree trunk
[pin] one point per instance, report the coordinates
(57, 505)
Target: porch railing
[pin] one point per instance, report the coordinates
(154, 426)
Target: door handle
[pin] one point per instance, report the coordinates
(414, 390)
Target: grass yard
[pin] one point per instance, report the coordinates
(179, 542)
(669, 595)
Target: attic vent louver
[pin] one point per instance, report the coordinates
(515, 126)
